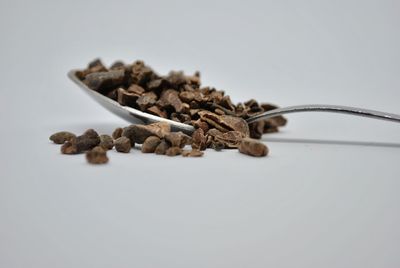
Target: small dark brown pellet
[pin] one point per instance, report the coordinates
(173, 151)
(61, 137)
(192, 153)
(106, 142)
(150, 144)
(98, 155)
(253, 147)
(122, 145)
(117, 133)
(162, 147)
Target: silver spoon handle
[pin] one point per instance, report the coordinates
(326, 108)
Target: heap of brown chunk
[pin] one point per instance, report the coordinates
(180, 98)
(218, 123)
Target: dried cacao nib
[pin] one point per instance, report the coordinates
(61, 137)
(97, 155)
(150, 144)
(104, 82)
(123, 145)
(139, 133)
(253, 147)
(106, 142)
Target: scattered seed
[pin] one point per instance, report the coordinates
(253, 147)
(106, 142)
(150, 144)
(61, 137)
(98, 155)
(122, 145)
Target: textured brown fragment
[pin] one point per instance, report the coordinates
(157, 111)
(117, 133)
(146, 100)
(225, 123)
(230, 139)
(136, 89)
(93, 67)
(126, 98)
(199, 139)
(104, 82)
(192, 153)
(177, 139)
(140, 73)
(97, 155)
(123, 145)
(186, 96)
(150, 144)
(87, 141)
(173, 151)
(106, 142)
(69, 147)
(170, 98)
(176, 79)
(61, 137)
(256, 129)
(139, 133)
(253, 147)
(162, 147)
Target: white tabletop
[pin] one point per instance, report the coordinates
(326, 196)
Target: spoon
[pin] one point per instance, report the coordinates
(138, 117)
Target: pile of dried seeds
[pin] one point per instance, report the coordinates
(219, 123)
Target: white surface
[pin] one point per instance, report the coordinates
(318, 203)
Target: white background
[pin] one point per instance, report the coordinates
(327, 196)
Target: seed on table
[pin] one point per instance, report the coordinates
(173, 151)
(162, 147)
(61, 137)
(106, 142)
(117, 133)
(122, 145)
(150, 144)
(253, 147)
(98, 155)
(192, 153)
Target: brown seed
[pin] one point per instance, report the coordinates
(117, 133)
(162, 147)
(176, 79)
(61, 137)
(225, 123)
(253, 147)
(170, 98)
(186, 96)
(157, 111)
(173, 151)
(139, 133)
(150, 144)
(178, 139)
(87, 141)
(97, 155)
(217, 145)
(140, 73)
(256, 129)
(146, 100)
(199, 139)
(122, 145)
(136, 89)
(126, 98)
(192, 153)
(69, 147)
(104, 82)
(106, 142)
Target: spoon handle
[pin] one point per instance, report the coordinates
(326, 108)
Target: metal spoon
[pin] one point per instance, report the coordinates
(138, 117)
